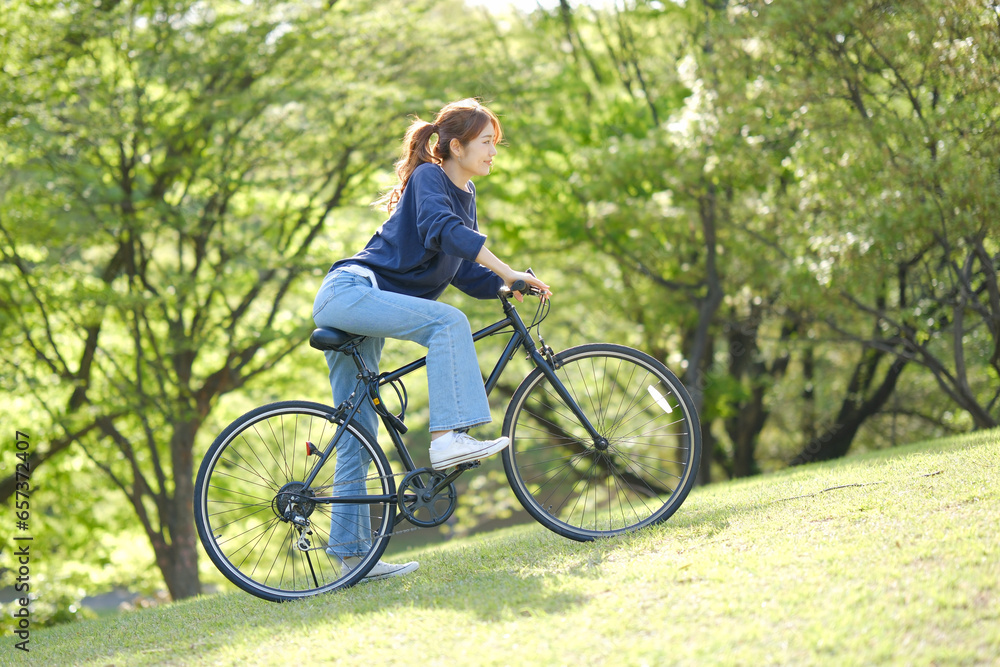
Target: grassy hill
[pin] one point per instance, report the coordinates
(888, 558)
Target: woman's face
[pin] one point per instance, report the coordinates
(476, 157)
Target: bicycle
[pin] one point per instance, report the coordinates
(604, 440)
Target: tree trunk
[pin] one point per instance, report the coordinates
(708, 453)
(695, 380)
(744, 427)
(171, 530)
(836, 440)
(178, 563)
(700, 351)
(744, 430)
(181, 571)
(747, 366)
(808, 420)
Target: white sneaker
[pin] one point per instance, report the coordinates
(453, 448)
(381, 570)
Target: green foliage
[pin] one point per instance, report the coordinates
(61, 602)
(894, 178)
(170, 173)
(799, 173)
(758, 193)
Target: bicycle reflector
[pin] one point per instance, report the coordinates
(311, 449)
(660, 400)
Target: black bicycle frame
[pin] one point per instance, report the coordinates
(521, 337)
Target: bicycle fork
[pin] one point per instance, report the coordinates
(548, 370)
(545, 362)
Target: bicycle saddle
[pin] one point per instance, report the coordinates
(325, 338)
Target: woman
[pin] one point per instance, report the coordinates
(389, 289)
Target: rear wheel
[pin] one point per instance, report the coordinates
(259, 522)
(637, 474)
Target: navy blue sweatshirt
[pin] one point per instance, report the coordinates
(431, 240)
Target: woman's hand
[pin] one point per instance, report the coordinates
(509, 275)
(543, 289)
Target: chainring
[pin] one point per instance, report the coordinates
(418, 502)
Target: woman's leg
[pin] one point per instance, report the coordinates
(456, 394)
(350, 525)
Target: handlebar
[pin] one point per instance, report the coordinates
(522, 287)
(519, 286)
(525, 288)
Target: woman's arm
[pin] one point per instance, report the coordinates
(477, 281)
(509, 275)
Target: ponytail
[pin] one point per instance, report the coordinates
(463, 120)
(416, 151)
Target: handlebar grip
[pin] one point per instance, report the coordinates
(519, 286)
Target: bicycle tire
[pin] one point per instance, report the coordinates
(649, 421)
(238, 495)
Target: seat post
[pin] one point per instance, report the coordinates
(359, 361)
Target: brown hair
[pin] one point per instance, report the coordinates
(463, 120)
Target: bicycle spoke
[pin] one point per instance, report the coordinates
(258, 521)
(641, 470)
(242, 517)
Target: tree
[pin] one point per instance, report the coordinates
(725, 159)
(903, 180)
(649, 165)
(169, 170)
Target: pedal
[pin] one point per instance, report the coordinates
(468, 465)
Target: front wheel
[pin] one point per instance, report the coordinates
(636, 475)
(271, 534)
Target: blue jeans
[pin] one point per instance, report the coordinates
(457, 398)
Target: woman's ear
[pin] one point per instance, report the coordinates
(455, 146)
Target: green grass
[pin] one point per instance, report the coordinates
(887, 558)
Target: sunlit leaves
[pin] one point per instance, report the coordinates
(173, 178)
